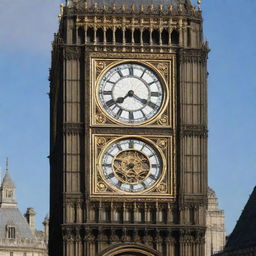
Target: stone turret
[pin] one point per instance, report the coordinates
(7, 190)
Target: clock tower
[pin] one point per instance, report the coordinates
(128, 134)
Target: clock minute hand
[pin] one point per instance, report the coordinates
(143, 101)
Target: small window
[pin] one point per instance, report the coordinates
(11, 254)
(24, 254)
(11, 232)
(9, 194)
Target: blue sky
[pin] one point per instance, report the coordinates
(27, 28)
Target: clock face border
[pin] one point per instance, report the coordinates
(166, 189)
(167, 100)
(146, 141)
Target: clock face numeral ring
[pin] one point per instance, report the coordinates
(131, 93)
(132, 165)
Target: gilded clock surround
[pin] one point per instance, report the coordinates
(164, 70)
(164, 186)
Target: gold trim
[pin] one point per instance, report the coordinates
(154, 146)
(158, 74)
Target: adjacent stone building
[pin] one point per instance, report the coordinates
(18, 235)
(215, 233)
(242, 241)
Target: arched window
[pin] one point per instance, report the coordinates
(90, 35)
(128, 36)
(99, 35)
(80, 39)
(119, 36)
(109, 35)
(137, 36)
(155, 37)
(146, 36)
(165, 37)
(175, 37)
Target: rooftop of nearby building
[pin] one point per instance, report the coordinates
(244, 235)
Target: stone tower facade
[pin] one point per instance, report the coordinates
(215, 233)
(128, 154)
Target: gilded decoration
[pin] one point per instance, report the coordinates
(164, 70)
(131, 166)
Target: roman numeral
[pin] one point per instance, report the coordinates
(120, 73)
(131, 144)
(110, 103)
(131, 117)
(131, 188)
(143, 73)
(143, 114)
(119, 113)
(110, 176)
(152, 105)
(144, 185)
(155, 94)
(107, 93)
(111, 82)
(107, 165)
(131, 71)
(119, 147)
(119, 184)
(151, 83)
(152, 177)
(155, 165)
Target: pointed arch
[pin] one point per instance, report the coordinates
(165, 37)
(109, 35)
(90, 35)
(137, 36)
(175, 37)
(119, 36)
(128, 36)
(156, 36)
(146, 36)
(99, 35)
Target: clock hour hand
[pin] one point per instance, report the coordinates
(121, 99)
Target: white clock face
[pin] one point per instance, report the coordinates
(131, 165)
(131, 93)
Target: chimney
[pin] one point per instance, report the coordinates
(46, 228)
(30, 216)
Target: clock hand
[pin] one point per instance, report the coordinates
(143, 101)
(121, 99)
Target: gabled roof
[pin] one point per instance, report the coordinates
(244, 233)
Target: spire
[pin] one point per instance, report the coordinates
(7, 181)
(7, 190)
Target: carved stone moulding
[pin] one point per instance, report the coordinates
(143, 10)
(163, 68)
(100, 186)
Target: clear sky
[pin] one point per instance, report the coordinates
(26, 32)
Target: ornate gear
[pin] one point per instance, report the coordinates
(131, 167)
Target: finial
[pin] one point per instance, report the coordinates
(123, 7)
(199, 5)
(142, 8)
(170, 8)
(7, 165)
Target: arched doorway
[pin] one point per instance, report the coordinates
(130, 250)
